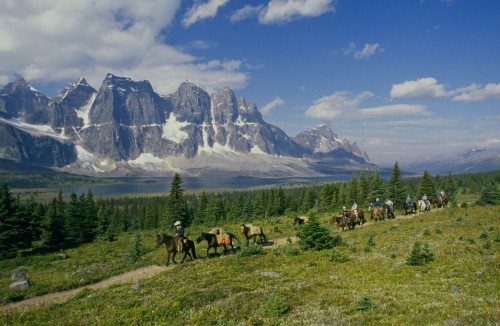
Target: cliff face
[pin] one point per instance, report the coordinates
(125, 127)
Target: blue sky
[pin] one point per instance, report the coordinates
(401, 78)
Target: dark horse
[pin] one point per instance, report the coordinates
(213, 243)
(439, 203)
(298, 220)
(410, 208)
(171, 247)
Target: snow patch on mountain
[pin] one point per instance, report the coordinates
(172, 130)
(35, 130)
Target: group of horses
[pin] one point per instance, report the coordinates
(188, 247)
(425, 206)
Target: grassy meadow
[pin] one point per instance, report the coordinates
(364, 281)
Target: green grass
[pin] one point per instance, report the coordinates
(286, 286)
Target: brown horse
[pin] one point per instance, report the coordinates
(213, 242)
(171, 247)
(376, 213)
(437, 202)
(252, 231)
(360, 219)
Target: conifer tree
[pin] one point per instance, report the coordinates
(426, 186)
(73, 221)
(53, 226)
(9, 229)
(397, 191)
(313, 236)
(490, 195)
(377, 187)
(177, 210)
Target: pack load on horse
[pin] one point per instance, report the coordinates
(171, 246)
(424, 206)
(376, 212)
(252, 231)
(216, 238)
(300, 220)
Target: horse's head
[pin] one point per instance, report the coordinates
(159, 240)
(243, 228)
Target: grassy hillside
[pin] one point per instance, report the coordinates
(365, 281)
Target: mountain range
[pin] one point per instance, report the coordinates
(126, 129)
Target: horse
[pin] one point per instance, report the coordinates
(439, 203)
(376, 213)
(357, 220)
(300, 220)
(252, 231)
(339, 220)
(424, 206)
(171, 246)
(390, 212)
(213, 242)
(410, 208)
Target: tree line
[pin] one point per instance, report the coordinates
(82, 218)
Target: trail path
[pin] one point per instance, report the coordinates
(128, 277)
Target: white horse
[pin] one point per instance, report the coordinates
(424, 206)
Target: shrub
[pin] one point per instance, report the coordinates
(313, 236)
(252, 250)
(277, 306)
(135, 251)
(365, 304)
(339, 257)
(370, 244)
(420, 255)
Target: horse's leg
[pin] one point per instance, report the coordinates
(168, 259)
(173, 256)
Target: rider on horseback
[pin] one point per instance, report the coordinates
(409, 202)
(179, 236)
(440, 195)
(425, 199)
(390, 206)
(376, 203)
(344, 214)
(354, 208)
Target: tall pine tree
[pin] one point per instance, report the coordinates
(427, 186)
(177, 206)
(9, 229)
(397, 190)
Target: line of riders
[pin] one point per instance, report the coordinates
(410, 206)
(180, 240)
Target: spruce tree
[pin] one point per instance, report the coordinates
(313, 236)
(73, 220)
(427, 186)
(397, 191)
(490, 195)
(53, 226)
(177, 210)
(9, 230)
(377, 188)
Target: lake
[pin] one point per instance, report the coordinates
(158, 185)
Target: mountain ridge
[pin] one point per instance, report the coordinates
(126, 128)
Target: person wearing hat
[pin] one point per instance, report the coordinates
(344, 214)
(390, 208)
(354, 208)
(179, 235)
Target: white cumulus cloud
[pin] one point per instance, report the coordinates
(368, 51)
(335, 105)
(201, 11)
(282, 11)
(59, 41)
(423, 87)
(272, 105)
(475, 93)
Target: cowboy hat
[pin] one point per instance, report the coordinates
(177, 223)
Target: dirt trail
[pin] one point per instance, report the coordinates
(60, 297)
(128, 277)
